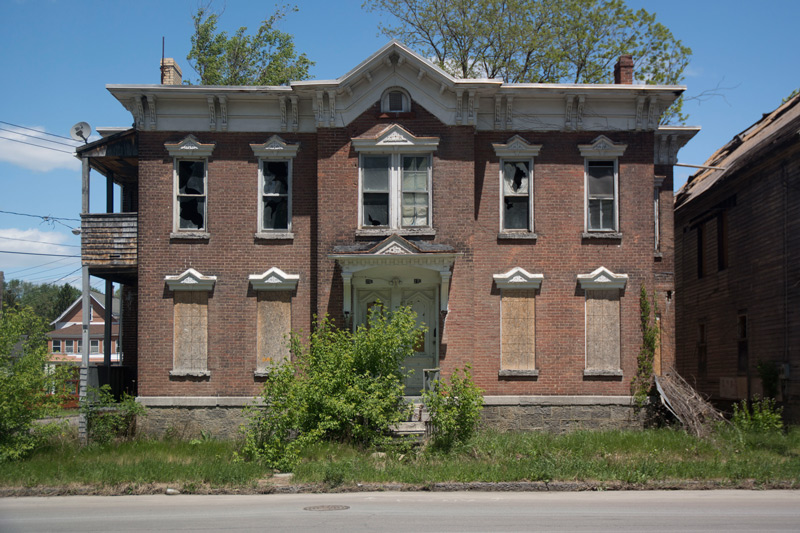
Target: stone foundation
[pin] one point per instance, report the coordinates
(188, 418)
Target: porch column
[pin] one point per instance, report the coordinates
(86, 302)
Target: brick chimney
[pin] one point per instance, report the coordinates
(623, 70)
(170, 72)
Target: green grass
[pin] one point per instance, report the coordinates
(613, 456)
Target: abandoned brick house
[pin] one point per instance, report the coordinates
(737, 255)
(518, 220)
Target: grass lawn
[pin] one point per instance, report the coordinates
(633, 457)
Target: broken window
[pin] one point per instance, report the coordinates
(601, 195)
(516, 195)
(275, 191)
(191, 196)
(381, 177)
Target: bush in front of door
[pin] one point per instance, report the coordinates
(340, 386)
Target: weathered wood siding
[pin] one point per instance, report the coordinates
(109, 239)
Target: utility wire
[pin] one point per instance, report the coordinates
(31, 253)
(37, 145)
(38, 138)
(37, 266)
(40, 242)
(43, 217)
(38, 131)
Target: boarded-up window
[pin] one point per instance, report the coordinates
(191, 333)
(602, 331)
(518, 315)
(274, 327)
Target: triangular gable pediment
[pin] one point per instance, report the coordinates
(190, 147)
(516, 147)
(394, 245)
(395, 137)
(518, 278)
(275, 147)
(602, 146)
(274, 279)
(602, 278)
(190, 280)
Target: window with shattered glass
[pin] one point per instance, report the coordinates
(395, 191)
(516, 195)
(275, 187)
(601, 195)
(191, 195)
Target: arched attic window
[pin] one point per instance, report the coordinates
(395, 100)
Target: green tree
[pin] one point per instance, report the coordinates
(29, 389)
(45, 299)
(266, 58)
(538, 41)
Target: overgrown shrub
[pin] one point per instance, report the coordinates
(642, 382)
(340, 386)
(29, 388)
(761, 416)
(455, 409)
(108, 419)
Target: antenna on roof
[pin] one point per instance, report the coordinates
(162, 60)
(80, 131)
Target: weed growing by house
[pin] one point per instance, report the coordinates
(761, 416)
(455, 409)
(340, 386)
(29, 388)
(642, 382)
(770, 374)
(108, 419)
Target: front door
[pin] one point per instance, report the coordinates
(423, 303)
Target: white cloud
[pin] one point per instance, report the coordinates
(34, 241)
(34, 157)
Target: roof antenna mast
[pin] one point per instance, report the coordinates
(162, 60)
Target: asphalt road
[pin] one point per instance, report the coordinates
(720, 510)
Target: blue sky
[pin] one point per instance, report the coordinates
(57, 56)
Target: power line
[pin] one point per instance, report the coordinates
(38, 131)
(43, 217)
(37, 137)
(31, 253)
(37, 266)
(37, 145)
(41, 242)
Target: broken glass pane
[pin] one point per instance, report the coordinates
(191, 177)
(515, 177)
(376, 173)
(276, 177)
(601, 179)
(376, 209)
(516, 213)
(192, 212)
(276, 212)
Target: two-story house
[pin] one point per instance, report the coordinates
(518, 220)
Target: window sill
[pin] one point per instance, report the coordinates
(261, 373)
(190, 373)
(385, 232)
(274, 236)
(190, 235)
(593, 373)
(658, 255)
(608, 236)
(509, 373)
(514, 236)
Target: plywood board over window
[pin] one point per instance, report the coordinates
(274, 317)
(518, 322)
(190, 319)
(603, 347)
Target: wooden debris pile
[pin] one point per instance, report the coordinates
(692, 410)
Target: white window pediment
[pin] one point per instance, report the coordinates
(190, 280)
(395, 138)
(275, 147)
(516, 147)
(602, 278)
(602, 146)
(518, 278)
(190, 147)
(395, 245)
(274, 279)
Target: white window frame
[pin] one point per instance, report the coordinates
(261, 195)
(94, 346)
(189, 149)
(275, 149)
(69, 346)
(601, 149)
(503, 228)
(406, 104)
(176, 223)
(395, 190)
(56, 346)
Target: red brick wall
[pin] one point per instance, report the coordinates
(465, 216)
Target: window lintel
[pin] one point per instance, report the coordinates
(190, 147)
(190, 280)
(517, 147)
(395, 138)
(275, 148)
(274, 279)
(602, 147)
(518, 278)
(602, 278)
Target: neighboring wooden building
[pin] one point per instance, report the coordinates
(738, 265)
(517, 220)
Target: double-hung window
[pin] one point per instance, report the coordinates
(69, 346)
(601, 185)
(190, 182)
(516, 186)
(56, 346)
(275, 162)
(94, 346)
(395, 180)
(395, 191)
